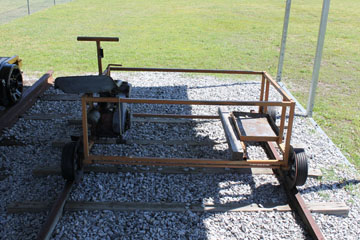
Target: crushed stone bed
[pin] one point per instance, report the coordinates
(339, 183)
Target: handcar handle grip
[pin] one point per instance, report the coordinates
(98, 39)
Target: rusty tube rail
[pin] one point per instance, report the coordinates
(183, 70)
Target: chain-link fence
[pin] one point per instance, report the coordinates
(12, 9)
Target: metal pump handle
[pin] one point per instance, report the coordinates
(100, 51)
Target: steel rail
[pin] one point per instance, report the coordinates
(10, 116)
(55, 213)
(296, 202)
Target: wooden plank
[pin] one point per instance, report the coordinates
(235, 147)
(335, 208)
(11, 142)
(75, 121)
(44, 116)
(55, 170)
(171, 142)
(163, 120)
(3, 176)
(151, 120)
(61, 142)
(60, 97)
(45, 171)
(314, 173)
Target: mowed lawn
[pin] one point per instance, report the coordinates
(12, 9)
(206, 34)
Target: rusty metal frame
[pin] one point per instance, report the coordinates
(263, 103)
(99, 50)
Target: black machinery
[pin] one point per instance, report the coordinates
(106, 119)
(11, 81)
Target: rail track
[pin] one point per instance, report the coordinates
(295, 201)
(296, 204)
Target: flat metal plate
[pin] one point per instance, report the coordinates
(85, 84)
(255, 126)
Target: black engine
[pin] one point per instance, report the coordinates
(105, 119)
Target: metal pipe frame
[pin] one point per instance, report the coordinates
(318, 56)
(98, 47)
(283, 40)
(264, 102)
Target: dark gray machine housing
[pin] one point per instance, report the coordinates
(11, 81)
(106, 119)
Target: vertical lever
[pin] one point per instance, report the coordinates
(100, 51)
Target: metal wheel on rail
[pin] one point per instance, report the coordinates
(272, 111)
(298, 172)
(71, 161)
(128, 120)
(12, 84)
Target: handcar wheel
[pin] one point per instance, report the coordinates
(128, 120)
(11, 74)
(271, 110)
(298, 172)
(71, 164)
(15, 86)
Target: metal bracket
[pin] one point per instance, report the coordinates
(101, 52)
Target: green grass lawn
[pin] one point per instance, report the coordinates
(206, 34)
(12, 9)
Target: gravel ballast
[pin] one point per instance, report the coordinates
(340, 182)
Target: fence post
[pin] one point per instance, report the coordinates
(28, 5)
(54, 2)
(283, 40)
(317, 61)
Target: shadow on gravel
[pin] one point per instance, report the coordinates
(226, 85)
(229, 190)
(225, 189)
(201, 146)
(189, 221)
(331, 186)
